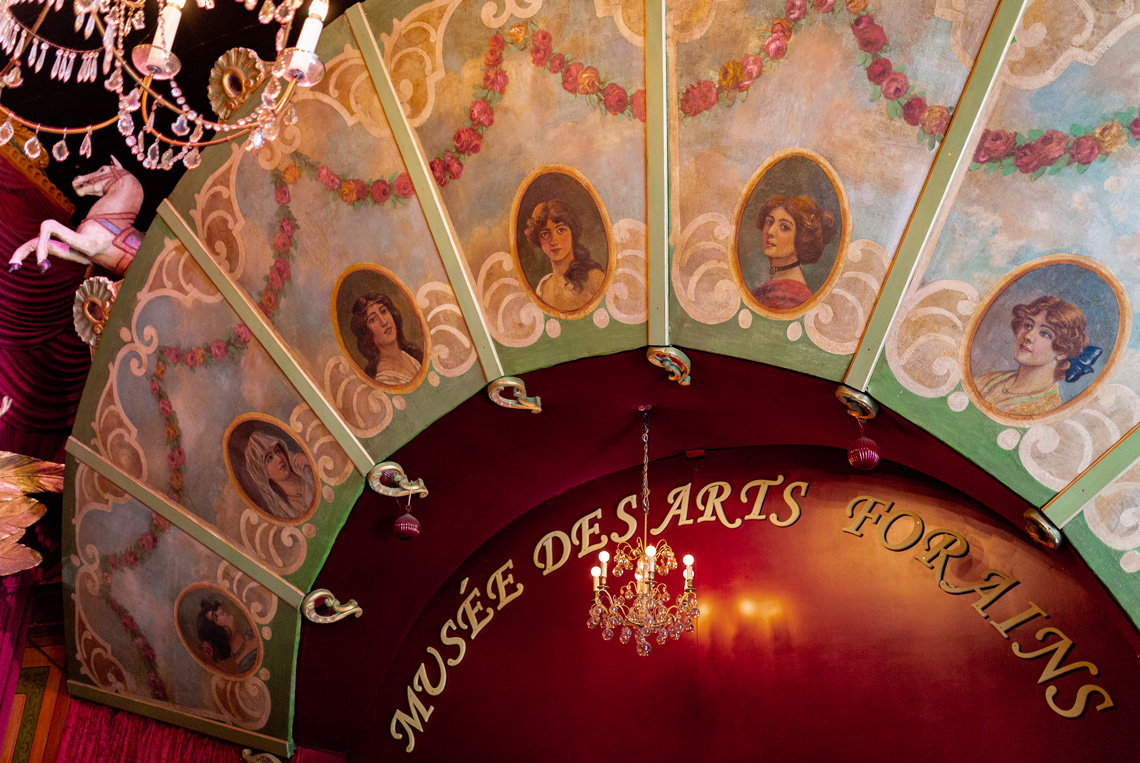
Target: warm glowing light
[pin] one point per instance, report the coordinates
(596, 571)
(688, 560)
(650, 550)
(604, 556)
(747, 607)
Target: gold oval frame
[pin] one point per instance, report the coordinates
(611, 255)
(200, 659)
(394, 389)
(1123, 334)
(281, 425)
(844, 234)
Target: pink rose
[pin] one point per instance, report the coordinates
(439, 172)
(637, 105)
(148, 541)
(541, 47)
(495, 79)
(570, 77)
(776, 47)
(130, 558)
(176, 457)
(878, 71)
(190, 359)
(698, 98)
(481, 113)
(871, 38)
(218, 349)
(751, 67)
(113, 562)
(282, 242)
(492, 58)
(243, 333)
(1134, 128)
(274, 281)
(467, 141)
(824, 6)
(157, 689)
(161, 523)
(281, 268)
(615, 98)
(129, 623)
(328, 178)
(281, 195)
(557, 61)
(1084, 150)
(165, 408)
(155, 387)
(453, 166)
(994, 145)
(144, 649)
(287, 227)
(404, 188)
(380, 191)
(935, 120)
(172, 355)
(894, 86)
(795, 9)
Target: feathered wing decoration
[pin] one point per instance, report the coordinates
(20, 476)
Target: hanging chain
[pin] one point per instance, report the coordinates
(645, 464)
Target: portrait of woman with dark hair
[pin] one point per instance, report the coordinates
(283, 480)
(232, 648)
(575, 277)
(1050, 344)
(794, 232)
(379, 330)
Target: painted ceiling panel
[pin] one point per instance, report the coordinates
(148, 600)
(1041, 218)
(186, 402)
(841, 103)
(534, 114)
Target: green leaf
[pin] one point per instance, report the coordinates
(876, 94)
(900, 69)
(922, 94)
(1035, 134)
(910, 90)
(1081, 168)
(992, 167)
(1019, 139)
(1038, 173)
(1102, 157)
(931, 143)
(1007, 171)
(921, 135)
(976, 166)
(1008, 161)
(1055, 169)
(1077, 131)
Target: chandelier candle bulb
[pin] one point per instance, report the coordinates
(604, 558)
(311, 30)
(167, 29)
(596, 572)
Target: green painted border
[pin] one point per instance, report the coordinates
(952, 155)
(189, 524)
(269, 339)
(1104, 562)
(657, 172)
(165, 714)
(427, 193)
(1103, 472)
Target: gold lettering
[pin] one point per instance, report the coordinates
(1078, 708)
(997, 590)
(795, 507)
(412, 721)
(1033, 611)
(867, 513)
(623, 515)
(915, 532)
(951, 546)
(497, 585)
(546, 545)
(1060, 650)
(453, 641)
(584, 528)
(420, 681)
(762, 493)
(474, 624)
(711, 499)
(678, 507)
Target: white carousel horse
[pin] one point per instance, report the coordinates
(107, 235)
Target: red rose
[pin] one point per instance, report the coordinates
(148, 541)
(129, 623)
(935, 120)
(274, 281)
(328, 178)
(281, 242)
(172, 355)
(913, 110)
(268, 301)
(708, 94)
(453, 166)
(361, 189)
(557, 61)
(161, 523)
(113, 563)
(286, 226)
(404, 188)
(380, 191)
(781, 28)
(281, 195)
(481, 113)
(861, 23)
(496, 42)
(218, 349)
(1134, 128)
(165, 408)
(751, 67)
(190, 359)
(155, 387)
(994, 145)
(492, 58)
(467, 141)
(795, 9)
(894, 86)
(282, 269)
(878, 71)
(540, 47)
(1084, 150)
(871, 38)
(495, 79)
(176, 457)
(243, 333)
(130, 558)
(588, 81)
(697, 98)
(439, 172)
(570, 77)
(776, 47)
(1042, 152)
(637, 105)
(616, 99)
(824, 6)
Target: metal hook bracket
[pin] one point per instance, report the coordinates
(859, 404)
(1041, 529)
(322, 596)
(510, 392)
(249, 756)
(388, 478)
(672, 360)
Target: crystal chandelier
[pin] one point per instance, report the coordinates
(641, 607)
(181, 134)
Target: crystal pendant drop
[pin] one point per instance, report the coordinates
(59, 150)
(250, 4)
(126, 125)
(256, 140)
(6, 131)
(167, 159)
(132, 101)
(85, 146)
(150, 121)
(280, 42)
(290, 117)
(271, 130)
(32, 147)
(192, 159)
(283, 13)
(152, 153)
(265, 15)
(197, 134)
(180, 127)
(15, 78)
(114, 83)
(87, 30)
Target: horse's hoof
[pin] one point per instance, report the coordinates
(45, 266)
(13, 267)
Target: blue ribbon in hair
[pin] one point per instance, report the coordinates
(1083, 363)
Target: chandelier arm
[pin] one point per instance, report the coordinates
(8, 113)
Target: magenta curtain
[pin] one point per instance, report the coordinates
(15, 615)
(43, 364)
(98, 734)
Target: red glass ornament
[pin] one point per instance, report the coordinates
(407, 527)
(863, 453)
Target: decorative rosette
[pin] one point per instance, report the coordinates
(236, 74)
(92, 305)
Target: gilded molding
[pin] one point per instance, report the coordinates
(322, 596)
(510, 392)
(672, 360)
(388, 478)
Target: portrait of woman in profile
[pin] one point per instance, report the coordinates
(379, 330)
(794, 231)
(233, 649)
(1050, 344)
(283, 481)
(575, 277)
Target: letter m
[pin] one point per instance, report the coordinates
(412, 721)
